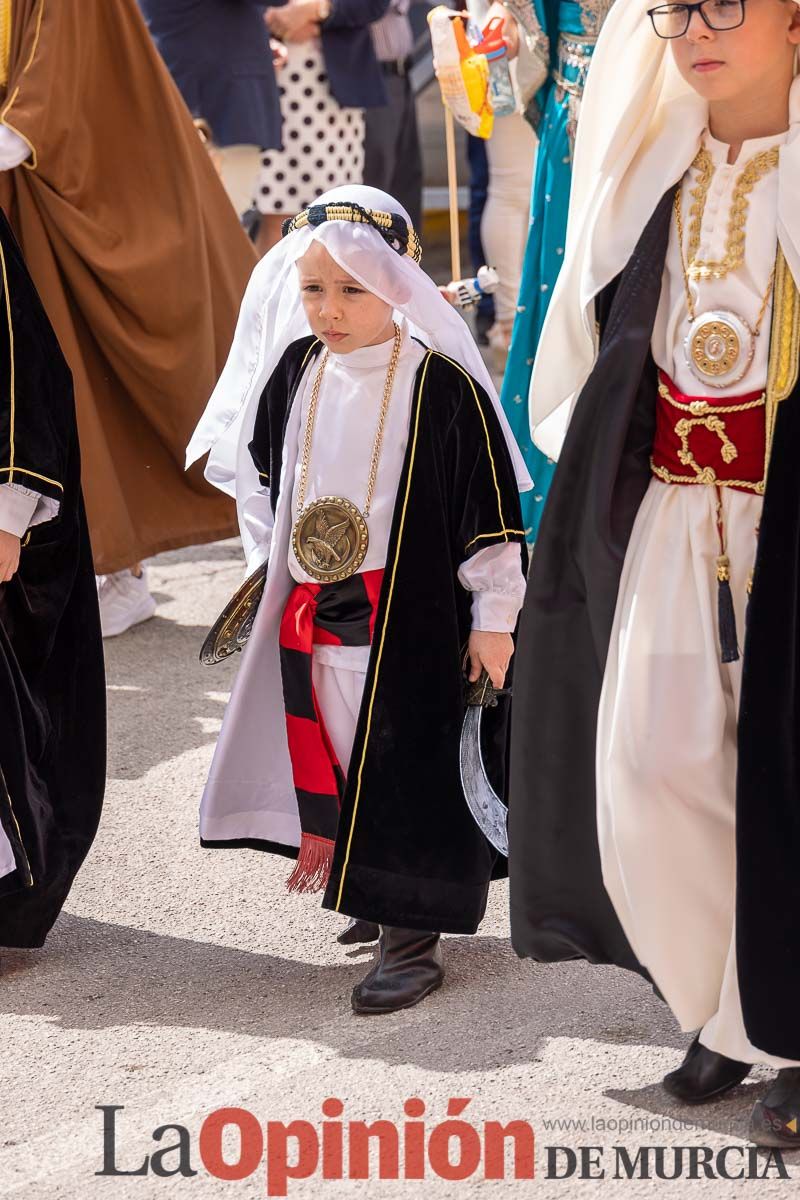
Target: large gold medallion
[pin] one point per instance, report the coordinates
(719, 348)
(330, 539)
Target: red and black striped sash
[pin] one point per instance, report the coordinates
(329, 614)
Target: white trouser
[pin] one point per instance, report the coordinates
(511, 151)
(239, 169)
(667, 756)
(338, 674)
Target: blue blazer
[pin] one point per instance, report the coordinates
(354, 73)
(217, 51)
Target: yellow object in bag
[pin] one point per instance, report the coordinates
(463, 75)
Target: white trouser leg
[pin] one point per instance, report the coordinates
(239, 168)
(511, 151)
(339, 691)
(667, 756)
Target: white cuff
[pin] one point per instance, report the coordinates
(494, 576)
(257, 519)
(17, 506)
(494, 612)
(13, 149)
(21, 509)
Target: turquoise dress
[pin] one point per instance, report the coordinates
(571, 30)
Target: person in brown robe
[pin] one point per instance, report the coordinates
(140, 262)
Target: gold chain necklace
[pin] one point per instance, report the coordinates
(720, 345)
(330, 536)
(754, 170)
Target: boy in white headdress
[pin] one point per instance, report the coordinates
(656, 811)
(359, 431)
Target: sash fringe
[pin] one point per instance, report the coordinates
(313, 866)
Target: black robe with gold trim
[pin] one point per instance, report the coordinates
(559, 907)
(407, 851)
(52, 682)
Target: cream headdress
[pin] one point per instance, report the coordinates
(640, 127)
(272, 317)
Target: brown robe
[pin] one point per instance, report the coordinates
(137, 255)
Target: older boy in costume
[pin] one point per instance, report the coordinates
(657, 817)
(378, 478)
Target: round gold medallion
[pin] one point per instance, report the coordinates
(330, 539)
(719, 348)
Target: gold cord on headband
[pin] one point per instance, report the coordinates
(391, 226)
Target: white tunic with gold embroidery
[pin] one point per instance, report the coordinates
(666, 741)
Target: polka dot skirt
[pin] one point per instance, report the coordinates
(323, 143)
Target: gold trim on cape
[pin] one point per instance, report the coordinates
(784, 347)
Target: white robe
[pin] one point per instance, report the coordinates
(666, 739)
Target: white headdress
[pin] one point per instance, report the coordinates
(272, 317)
(640, 128)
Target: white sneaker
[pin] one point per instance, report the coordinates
(125, 601)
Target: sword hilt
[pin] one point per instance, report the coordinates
(483, 694)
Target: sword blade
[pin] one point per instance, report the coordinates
(488, 810)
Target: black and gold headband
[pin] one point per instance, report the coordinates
(391, 226)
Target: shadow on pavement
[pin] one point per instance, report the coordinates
(493, 1011)
(728, 1116)
(161, 700)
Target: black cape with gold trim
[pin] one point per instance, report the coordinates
(559, 907)
(408, 852)
(52, 684)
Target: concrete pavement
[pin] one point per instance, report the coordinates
(179, 981)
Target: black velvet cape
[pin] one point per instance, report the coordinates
(407, 851)
(52, 683)
(559, 907)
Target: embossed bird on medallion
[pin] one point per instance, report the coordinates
(326, 544)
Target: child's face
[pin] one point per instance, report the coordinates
(340, 312)
(735, 64)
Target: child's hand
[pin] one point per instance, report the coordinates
(9, 555)
(280, 55)
(492, 652)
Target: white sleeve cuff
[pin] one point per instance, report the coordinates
(13, 149)
(17, 506)
(494, 576)
(256, 516)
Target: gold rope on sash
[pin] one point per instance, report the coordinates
(5, 40)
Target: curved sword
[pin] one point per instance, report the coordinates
(488, 810)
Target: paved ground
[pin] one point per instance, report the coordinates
(179, 981)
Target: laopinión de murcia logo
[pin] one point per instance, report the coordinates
(233, 1144)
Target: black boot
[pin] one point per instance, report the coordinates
(703, 1075)
(357, 932)
(775, 1120)
(409, 967)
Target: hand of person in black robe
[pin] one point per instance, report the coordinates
(9, 555)
(490, 652)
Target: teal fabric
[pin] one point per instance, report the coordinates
(544, 254)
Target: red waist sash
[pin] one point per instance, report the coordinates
(329, 614)
(718, 440)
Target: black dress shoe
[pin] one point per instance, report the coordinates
(703, 1075)
(358, 932)
(409, 968)
(775, 1120)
